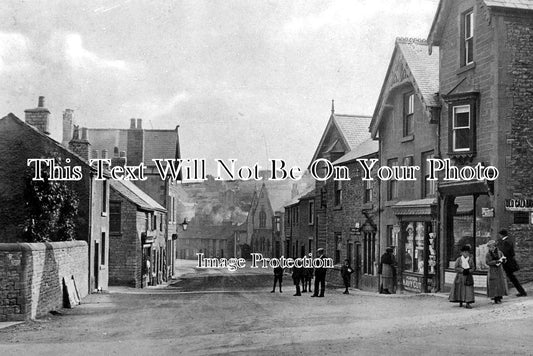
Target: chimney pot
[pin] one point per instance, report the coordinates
(41, 102)
(132, 123)
(84, 133)
(94, 154)
(139, 123)
(115, 151)
(122, 154)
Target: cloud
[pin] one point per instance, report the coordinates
(14, 52)
(78, 56)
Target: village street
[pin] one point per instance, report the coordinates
(218, 312)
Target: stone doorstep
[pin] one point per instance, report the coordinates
(7, 324)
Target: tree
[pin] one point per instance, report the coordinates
(51, 209)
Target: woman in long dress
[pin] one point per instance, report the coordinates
(387, 269)
(496, 281)
(463, 285)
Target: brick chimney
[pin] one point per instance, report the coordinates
(67, 126)
(81, 146)
(135, 143)
(38, 117)
(118, 160)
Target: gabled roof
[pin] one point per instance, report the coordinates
(443, 9)
(307, 194)
(353, 130)
(366, 148)
(135, 195)
(422, 71)
(35, 131)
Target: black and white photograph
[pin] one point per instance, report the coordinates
(266, 177)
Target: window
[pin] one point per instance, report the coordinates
(338, 247)
(408, 114)
(414, 234)
(262, 219)
(467, 38)
(461, 128)
(429, 187)
(338, 192)
(311, 215)
(102, 260)
(392, 185)
(368, 191)
(390, 235)
(104, 197)
(161, 223)
(154, 222)
(115, 218)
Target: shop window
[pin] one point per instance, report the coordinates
(390, 235)
(392, 184)
(521, 217)
(408, 114)
(413, 246)
(467, 210)
(429, 187)
(467, 38)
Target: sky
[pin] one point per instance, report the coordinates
(246, 79)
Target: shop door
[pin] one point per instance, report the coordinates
(357, 264)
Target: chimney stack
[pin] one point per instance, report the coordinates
(135, 143)
(81, 146)
(119, 160)
(132, 123)
(67, 126)
(38, 117)
(139, 124)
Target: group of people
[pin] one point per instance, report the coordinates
(303, 276)
(500, 258)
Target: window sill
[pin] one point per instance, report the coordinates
(407, 138)
(104, 214)
(466, 68)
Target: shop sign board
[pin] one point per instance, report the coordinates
(413, 283)
(487, 212)
(519, 204)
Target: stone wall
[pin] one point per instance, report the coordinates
(32, 276)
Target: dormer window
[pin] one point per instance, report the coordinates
(467, 38)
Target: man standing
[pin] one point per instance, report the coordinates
(506, 246)
(320, 275)
(278, 277)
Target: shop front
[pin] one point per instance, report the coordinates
(468, 219)
(417, 252)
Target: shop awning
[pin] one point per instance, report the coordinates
(464, 188)
(426, 206)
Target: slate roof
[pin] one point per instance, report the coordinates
(366, 148)
(134, 194)
(308, 193)
(516, 4)
(354, 128)
(424, 67)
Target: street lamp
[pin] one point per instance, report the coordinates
(184, 224)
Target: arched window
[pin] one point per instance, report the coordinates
(262, 219)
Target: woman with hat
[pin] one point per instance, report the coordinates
(463, 285)
(496, 282)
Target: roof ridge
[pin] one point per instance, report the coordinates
(352, 115)
(409, 40)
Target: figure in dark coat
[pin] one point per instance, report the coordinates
(278, 277)
(506, 246)
(496, 282)
(463, 286)
(308, 276)
(346, 272)
(297, 274)
(387, 270)
(320, 275)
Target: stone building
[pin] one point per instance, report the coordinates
(345, 221)
(138, 145)
(486, 87)
(300, 227)
(405, 122)
(20, 141)
(137, 232)
(259, 223)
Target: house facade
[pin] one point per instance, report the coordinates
(405, 123)
(259, 223)
(485, 85)
(137, 237)
(300, 225)
(20, 141)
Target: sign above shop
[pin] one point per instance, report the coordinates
(519, 204)
(487, 212)
(413, 283)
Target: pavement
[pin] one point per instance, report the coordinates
(235, 313)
